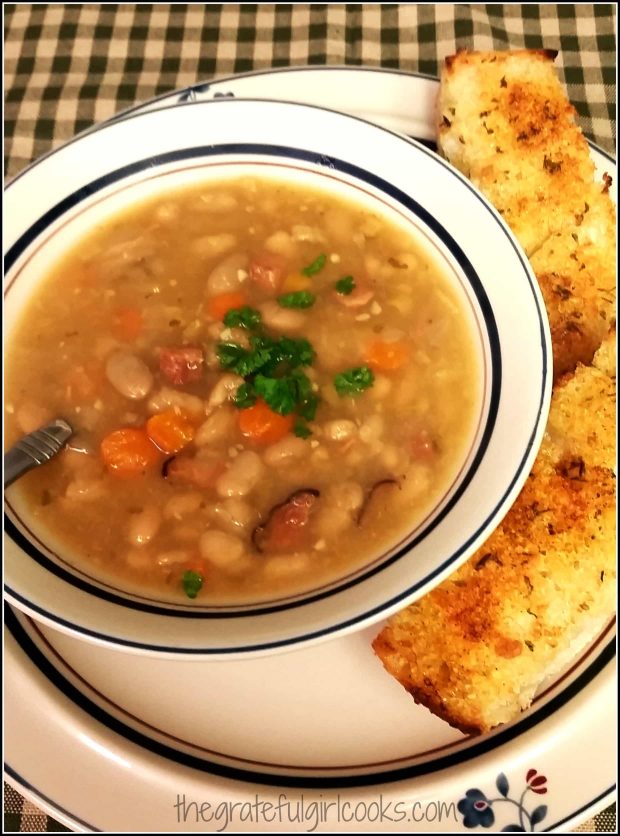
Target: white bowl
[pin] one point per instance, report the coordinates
(55, 200)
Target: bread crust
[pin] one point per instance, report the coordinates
(475, 650)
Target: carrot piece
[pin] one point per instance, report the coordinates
(387, 356)
(128, 324)
(262, 424)
(218, 306)
(129, 452)
(195, 564)
(170, 430)
(295, 282)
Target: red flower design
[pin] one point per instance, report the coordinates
(536, 782)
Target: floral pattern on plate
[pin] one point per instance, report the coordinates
(477, 810)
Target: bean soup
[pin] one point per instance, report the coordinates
(270, 387)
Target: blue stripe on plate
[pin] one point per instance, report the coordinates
(486, 744)
(45, 799)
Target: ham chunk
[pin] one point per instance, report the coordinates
(197, 472)
(267, 270)
(287, 526)
(181, 364)
(361, 295)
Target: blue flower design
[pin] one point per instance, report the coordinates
(476, 809)
(190, 94)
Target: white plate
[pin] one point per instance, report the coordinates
(102, 740)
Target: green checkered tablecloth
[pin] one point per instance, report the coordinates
(68, 66)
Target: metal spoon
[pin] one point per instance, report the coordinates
(34, 449)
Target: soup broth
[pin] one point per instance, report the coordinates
(269, 385)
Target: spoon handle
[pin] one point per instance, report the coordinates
(34, 449)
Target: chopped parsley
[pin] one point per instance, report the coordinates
(271, 368)
(265, 355)
(307, 399)
(316, 266)
(245, 361)
(192, 583)
(279, 393)
(345, 285)
(298, 299)
(301, 429)
(353, 381)
(245, 396)
(294, 352)
(244, 317)
(291, 392)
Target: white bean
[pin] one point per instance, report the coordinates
(224, 389)
(348, 495)
(220, 548)
(282, 566)
(84, 488)
(320, 454)
(371, 226)
(144, 525)
(281, 319)
(372, 428)
(211, 245)
(332, 520)
(182, 504)
(212, 361)
(129, 375)
(416, 482)
(217, 202)
(31, 416)
(225, 275)
(218, 426)
(390, 456)
(312, 234)
(171, 557)
(380, 388)
(166, 398)
(235, 335)
(235, 514)
(80, 459)
(281, 243)
(287, 450)
(167, 212)
(340, 429)
(242, 476)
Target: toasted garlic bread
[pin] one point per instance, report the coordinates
(505, 122)
(587, 434)
(476, 649)
(576, 270)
